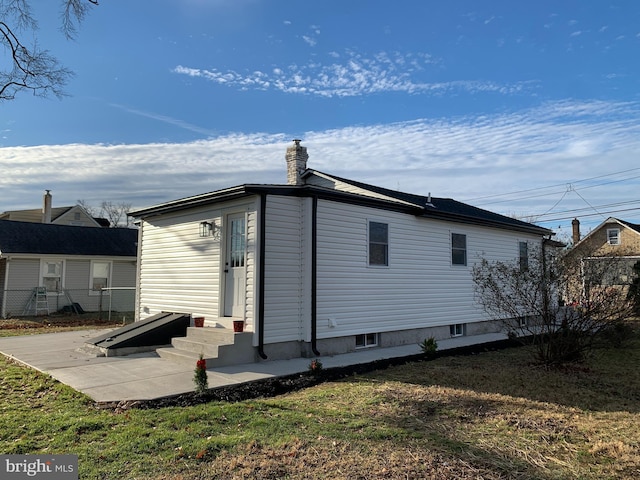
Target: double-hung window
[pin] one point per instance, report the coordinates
(52, 276)
(378, 244)
(613, 236)
(458, 249)
(100, 275)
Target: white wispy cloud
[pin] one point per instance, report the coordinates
(356, 75)
(164, 119)
(309, 40)
(464, 158)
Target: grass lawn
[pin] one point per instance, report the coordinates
(485, 416)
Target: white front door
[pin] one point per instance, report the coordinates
(234, 268)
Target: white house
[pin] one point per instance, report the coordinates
(321, 265)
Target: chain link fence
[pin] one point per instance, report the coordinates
(108, 303)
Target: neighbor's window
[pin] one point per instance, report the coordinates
(378, 243)
(100, 274)
(458, 249)
(457, 330)
(366, 340)
(523, 248)
(613, 236)
(52, 276)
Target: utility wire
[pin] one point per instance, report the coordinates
(592, 214)
(577, 210)
(555, 186)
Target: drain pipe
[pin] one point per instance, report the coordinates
(314, 275)
(261, 276)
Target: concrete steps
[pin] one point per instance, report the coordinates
(219, 347)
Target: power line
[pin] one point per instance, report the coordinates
(577, 210)
(538, 189)
(592, 214)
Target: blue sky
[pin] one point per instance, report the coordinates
(525, 108)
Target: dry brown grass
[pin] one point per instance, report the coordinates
(488, 416)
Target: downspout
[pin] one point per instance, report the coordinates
(261, 275)
(314, 275)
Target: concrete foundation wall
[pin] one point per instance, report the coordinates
(340, 345)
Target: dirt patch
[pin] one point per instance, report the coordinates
(53, 322)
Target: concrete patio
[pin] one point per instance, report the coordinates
(146, 376)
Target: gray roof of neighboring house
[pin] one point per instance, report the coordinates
(50, 239)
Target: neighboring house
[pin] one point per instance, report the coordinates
(607, 253)
(45, 267)
(322, 265)
(76, 215)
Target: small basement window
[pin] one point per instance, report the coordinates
(366, 340)
(458, 330)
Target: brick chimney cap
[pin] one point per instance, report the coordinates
(297, 141)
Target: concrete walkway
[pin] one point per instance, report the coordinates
(146, 376)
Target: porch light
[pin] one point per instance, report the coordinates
(209, 229)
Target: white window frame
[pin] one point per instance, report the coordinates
(92, 290)
(44, 273)
(613, 236)
(458, 249)
(368, 340)
(371, 242)
(458, 329)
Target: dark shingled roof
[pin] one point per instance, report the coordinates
(632, 226)
(447, 208)
(50, 239)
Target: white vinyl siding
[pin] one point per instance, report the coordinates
(286, 290)
(180, 271)
(419, 289)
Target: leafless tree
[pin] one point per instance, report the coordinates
(560, 304)
(115, 213)
(29, 67)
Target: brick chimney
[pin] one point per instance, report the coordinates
(46, 207)
(575, 223)
(296, 157)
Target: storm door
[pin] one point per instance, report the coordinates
(234, 270)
